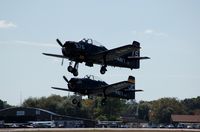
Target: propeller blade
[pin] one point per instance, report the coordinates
(65, 79)
(58, 41)
(62, 62)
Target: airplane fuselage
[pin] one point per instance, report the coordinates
(84, 86)
(123, 94)
(79, 51)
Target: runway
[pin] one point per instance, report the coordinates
(96, 130)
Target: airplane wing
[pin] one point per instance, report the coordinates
(63, 89)
(114, 53)
(54, 55)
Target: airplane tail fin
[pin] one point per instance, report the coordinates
(131, 79)
(130, 91)
(134, 57)
(135, 54)
(136, 44)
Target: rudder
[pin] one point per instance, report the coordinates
(136, 54)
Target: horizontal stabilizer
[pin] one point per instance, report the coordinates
(139, 90)
(137, 57)
(63, 89)
(133, 90)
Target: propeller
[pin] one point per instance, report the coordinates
(65, 79)
(58, 41)
(62, 62)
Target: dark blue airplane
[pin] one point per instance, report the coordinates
(94, 87)
(127, 56)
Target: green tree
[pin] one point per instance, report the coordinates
(192, 105)
(1, 104)
(30, 102)
(113, 108)
(143, 111)
(4, 104)
(162, 109)
(57, 104)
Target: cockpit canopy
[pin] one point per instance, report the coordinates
(91, 41)
(92, 77)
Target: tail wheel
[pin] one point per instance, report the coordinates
(103, 70)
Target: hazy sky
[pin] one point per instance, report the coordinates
(169, 33)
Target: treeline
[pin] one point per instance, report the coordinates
(160, 111)
(4, 104)
(157, 111)
(91, 109)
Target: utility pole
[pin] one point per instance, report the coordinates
(20, 98)
(137, 115)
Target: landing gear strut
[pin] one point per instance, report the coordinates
(103, 68)
(103, 102)
(73, 70)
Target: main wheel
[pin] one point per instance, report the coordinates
(74, 101)
(70, 68)
(75, 72)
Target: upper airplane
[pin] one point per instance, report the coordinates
(92, 86)
(127, 56)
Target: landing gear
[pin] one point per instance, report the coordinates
(103, 70)
(70, 68)
(73, 70)
(103, 102)
(76, 102)
(79, 104)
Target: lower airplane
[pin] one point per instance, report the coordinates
(94, 87)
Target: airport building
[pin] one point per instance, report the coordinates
(185, 118)
(186, 121)
(28, 114)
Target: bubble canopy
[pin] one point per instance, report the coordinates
(91, 41)
(92, 77)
